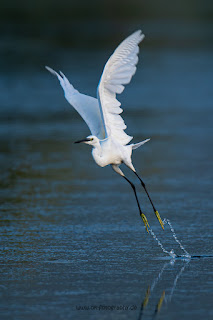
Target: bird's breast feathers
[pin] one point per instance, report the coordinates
(103, 159)
(110, 153)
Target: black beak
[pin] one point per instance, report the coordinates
(83, 140)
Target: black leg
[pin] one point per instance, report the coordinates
(141, 214)
(155, 211)
(144, 186)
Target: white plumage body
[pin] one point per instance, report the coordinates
(102, 115)
(109, 151)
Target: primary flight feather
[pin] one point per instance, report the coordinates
(102, 115)
(118, 71)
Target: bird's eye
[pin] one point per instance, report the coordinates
(91, 139)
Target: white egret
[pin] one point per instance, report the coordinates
(102, 115)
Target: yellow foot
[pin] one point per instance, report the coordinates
(146, 299)
(160, 302)
(159, 219)
(145, 221)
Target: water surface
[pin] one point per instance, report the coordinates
(72, 243)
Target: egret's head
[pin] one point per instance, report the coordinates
(92, 140)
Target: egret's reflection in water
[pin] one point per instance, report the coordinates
(166, 295)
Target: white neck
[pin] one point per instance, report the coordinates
(97, 147)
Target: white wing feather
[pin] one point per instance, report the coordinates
(86, 106)
(117, 72)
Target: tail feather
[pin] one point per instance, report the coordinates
(137, 145)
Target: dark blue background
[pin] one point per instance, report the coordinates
(71, 236)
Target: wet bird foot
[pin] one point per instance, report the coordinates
(159, 219)
(145, 221)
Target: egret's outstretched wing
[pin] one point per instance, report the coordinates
(87, 107)
(118, 71)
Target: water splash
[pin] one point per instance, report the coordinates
(171, 253)
(187, 255)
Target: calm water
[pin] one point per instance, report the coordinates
(72, 243)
